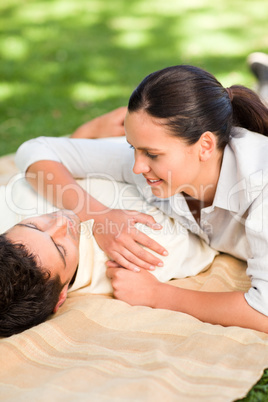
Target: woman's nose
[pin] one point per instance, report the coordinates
(140, 165)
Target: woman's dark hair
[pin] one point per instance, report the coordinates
(28, 294)
(191, 101)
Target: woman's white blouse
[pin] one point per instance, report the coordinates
(237, 221)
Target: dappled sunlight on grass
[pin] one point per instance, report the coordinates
(65, 61)
(37, 33)
(14, 48)
(169, 8)
(132, 39)
(9, 90)
(41, 12)
(84, 92)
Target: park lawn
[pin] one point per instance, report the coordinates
(66, 61)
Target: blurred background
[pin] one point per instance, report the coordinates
(64, 62)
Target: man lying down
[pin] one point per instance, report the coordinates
(44, 257)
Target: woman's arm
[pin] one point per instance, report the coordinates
(223, 308)
(114, 229)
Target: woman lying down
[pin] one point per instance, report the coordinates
(44, 257)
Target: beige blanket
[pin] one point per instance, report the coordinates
(100, 349)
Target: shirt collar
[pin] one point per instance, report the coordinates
(229, 187)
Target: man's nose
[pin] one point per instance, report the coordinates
(58, 227)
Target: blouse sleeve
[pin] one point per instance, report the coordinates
(111, 159)
(257, 235)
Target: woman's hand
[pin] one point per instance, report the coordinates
(137, 289)
(117, 235)
(108, 125)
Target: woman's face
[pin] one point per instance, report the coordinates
(169, 165)
(54, 239)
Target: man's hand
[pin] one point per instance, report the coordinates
(137, 289)
(108, 125)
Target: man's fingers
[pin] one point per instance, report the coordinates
(120, 114)
(112, 264)
(110, 272)
(119, 131)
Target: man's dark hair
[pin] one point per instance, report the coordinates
(28, 294)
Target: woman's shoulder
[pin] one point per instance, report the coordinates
(249, 147)
(244, 138)
(250, 152)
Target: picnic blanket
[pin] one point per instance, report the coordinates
(96, 348)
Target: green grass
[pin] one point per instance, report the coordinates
(66, 61)
(258, 393)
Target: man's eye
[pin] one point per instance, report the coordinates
(63, 249)
(32, 224)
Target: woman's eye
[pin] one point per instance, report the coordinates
(147, 153)
(151, 156)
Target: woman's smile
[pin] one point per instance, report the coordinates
(153, 182)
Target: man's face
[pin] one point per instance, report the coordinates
(54, 239)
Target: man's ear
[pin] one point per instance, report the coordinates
(62, 298)
(208, 143)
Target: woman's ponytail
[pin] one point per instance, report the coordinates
(248, 110)
(192, 101)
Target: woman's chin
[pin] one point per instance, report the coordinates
(159, 193)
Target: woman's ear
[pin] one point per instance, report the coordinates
(62, 298)
(208, 143)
